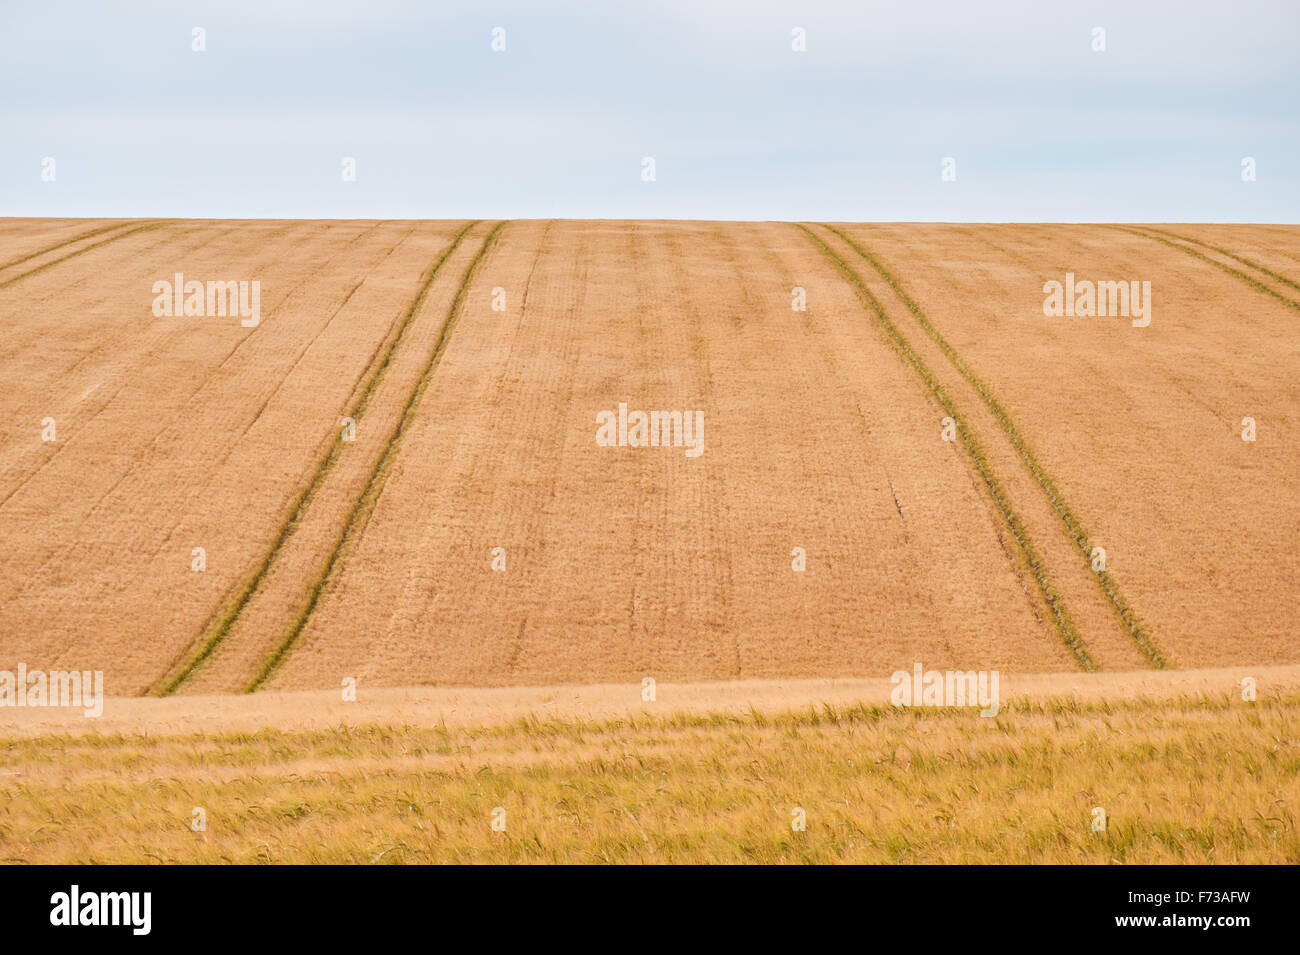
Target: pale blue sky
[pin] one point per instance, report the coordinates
(740, 126)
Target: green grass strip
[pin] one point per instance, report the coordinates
(1072, 524)
(221, 623)
(365, 504)
(1064, 625)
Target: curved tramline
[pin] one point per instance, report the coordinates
(62, 244)
(364, 504)
(1074, 528)
(220, 625)
(1061, 618)
(1167, 238)
(1276, 276)
(123, 361)
(147, 227)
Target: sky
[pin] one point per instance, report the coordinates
(1040, 126)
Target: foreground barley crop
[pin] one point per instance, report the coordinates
(1192, 779)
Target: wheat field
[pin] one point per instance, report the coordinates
(392, 479)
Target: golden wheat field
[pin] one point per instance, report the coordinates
(609, 521)
(1187, 773)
